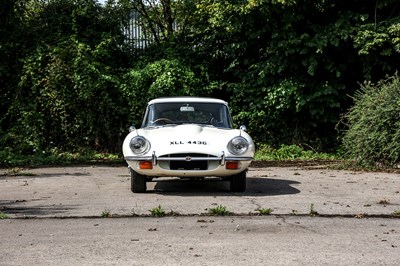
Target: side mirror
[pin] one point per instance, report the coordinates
(132, 128)
(243, 128)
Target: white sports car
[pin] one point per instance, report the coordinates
(188, 137)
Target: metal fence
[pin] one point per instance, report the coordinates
(137, 37)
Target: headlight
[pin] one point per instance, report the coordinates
(139, 145)
(238, 145)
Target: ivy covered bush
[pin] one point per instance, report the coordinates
(72, 81)
(162, 78)
(62, 93)
(373, 137)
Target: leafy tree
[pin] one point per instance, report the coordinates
(377, 40)
(14, 40)
(163, 78)
(68, 97)
(288, 66)
(69, 81)
(163, 20)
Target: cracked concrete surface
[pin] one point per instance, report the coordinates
(86, 191)
(80, 194)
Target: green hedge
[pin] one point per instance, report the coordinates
(373, 137)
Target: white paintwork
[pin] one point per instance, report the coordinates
(174, 139)
(187, 99)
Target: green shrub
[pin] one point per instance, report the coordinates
(373, 135)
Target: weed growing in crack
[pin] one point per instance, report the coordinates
(265, 211)
(105, 214)
(3, 216)
(396, 213)
(157, 211)
(220, 210)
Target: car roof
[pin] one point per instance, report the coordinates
(187, 99)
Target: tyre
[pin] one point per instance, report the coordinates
(238, 182)
(138, 182)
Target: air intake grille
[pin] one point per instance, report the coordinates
(188, 164)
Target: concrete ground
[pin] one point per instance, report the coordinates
(88, 191)
(354, 219)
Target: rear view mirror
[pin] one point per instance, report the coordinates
(187, 109)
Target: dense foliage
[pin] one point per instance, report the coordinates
(373, 137)
(70, 80)
(286, 67)
(61, 77)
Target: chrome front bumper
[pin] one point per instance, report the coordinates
(222, 159)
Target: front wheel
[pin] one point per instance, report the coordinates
(238, 182)
(138, 182)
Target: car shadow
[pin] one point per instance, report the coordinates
(255, 187)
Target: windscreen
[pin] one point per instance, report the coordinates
(212, 114)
